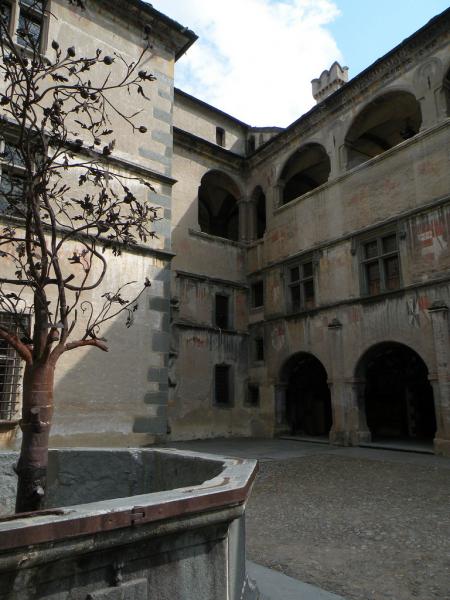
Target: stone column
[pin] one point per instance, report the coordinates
(281, 423)
(347, 396)
(278, 189)
(441, 338)
(243, 219)
(251, 210)
(356, 393)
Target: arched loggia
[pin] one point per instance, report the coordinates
(218, 212)
(385, 122)
(308, 168)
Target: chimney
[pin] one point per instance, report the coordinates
(329, 82)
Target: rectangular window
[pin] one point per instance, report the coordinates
(257, 293)
(253, 395)
(301, 286)
(380, 264)
(259, 349)
(222, 385)
(222, 319)
(12, 180)
(220, 136)
(10, 373)
(24, 21)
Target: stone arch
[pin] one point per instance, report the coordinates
(218, 211)
(307, 395)
(305, 170)
(398, 396)
(259, 210)
(384, 122)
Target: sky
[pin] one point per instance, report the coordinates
(255, 58)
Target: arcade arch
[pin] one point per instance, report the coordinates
(308, 399)
(218, 211)
(385, 122)
(308, 168)
(398, 398)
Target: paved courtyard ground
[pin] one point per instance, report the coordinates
(363, 523)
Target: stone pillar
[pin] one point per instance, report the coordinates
(281, 423)
(441, 385)
(252, 226)
(347, 396)
(278, 189)
(243, 219)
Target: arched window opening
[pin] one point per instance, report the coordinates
(386, 122)
(307, 169)
(220, 136)
(251, 144)
(217, 206)
(398, 395)
(308, 399)
(447, 91)
(259, 199)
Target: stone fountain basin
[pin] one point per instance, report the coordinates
(119, 523)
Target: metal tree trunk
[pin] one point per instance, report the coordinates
(36, 421)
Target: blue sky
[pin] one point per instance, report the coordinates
(367, 29)
(255, 58)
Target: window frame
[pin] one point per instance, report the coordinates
(220, 136)
(12, 375)
(258, 345)
(229, 324)
(379, 258)
(19, 8)
(254, 294)
(230, 385)
(301, 282)
(11, 170)
(252, 386)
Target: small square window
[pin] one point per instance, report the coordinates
(222, 385)
(253, 395)
(257, 291)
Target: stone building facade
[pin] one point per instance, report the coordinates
(301, 277)
(310, 283)
(102, 399)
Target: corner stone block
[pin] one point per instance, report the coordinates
(155, 425)
(158, 375)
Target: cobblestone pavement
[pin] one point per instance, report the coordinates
(363, 523)
(366, 525)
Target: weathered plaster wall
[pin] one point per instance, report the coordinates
(404, 190)
(201, 120)
(120, 398)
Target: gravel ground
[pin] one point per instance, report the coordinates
(364, 528)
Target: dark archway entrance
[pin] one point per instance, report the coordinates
(308, 400)
(398, 395)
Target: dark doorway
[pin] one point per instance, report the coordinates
(399, 397)
(308, 401)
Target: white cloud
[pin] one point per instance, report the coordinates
(255, 58)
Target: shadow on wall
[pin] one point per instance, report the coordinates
(105, 399)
